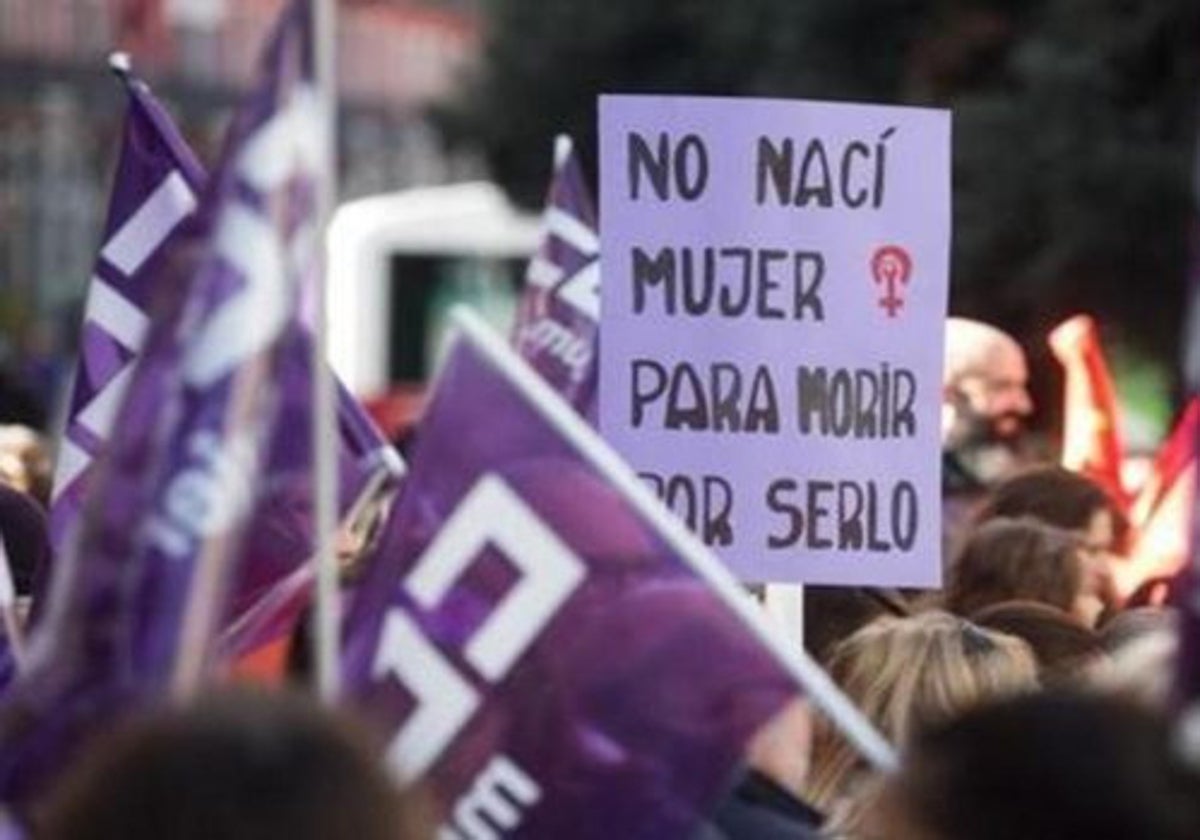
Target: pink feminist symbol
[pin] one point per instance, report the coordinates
(891, 266)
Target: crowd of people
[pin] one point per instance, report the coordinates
(1027, 698)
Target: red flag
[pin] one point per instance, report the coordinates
(1174, 458)
(1161, 515)
(1091, 438)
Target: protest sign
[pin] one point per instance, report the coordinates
(773, 306)
(550, 652)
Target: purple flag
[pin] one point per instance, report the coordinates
(558, 321)
(176, 485)
(154, 190)
(548, 649)
(1187, 668)
(157, 179)
(9, 829)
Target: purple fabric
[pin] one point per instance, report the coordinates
(152, 151)
(272, 617)
(557, 323)
(8, 665)
(280, 537)
(174, 489)
(630, 707)
(1187, 596)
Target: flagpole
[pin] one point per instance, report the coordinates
(784, 602)
(326, 613)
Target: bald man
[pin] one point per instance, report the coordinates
(985, 401)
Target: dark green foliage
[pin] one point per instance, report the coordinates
(1074, 122)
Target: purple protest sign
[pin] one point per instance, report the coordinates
(774, 297)
(548, 648)
(556, 326)
(176, 485)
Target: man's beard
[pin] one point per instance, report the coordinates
(987, 448)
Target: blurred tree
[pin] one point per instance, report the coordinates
(1073, 178)
(1074, 125)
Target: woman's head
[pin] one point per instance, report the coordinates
(25, 462)
(907, 673)
(1063, 499)
(1024, 560)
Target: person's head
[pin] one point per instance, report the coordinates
(1066, 650)
(1061, 498)
(1143, 645)
(985, 396)
(237, 766)
(25, 462)
(906, 673)
(1127, 626)
(1023, 560)
(1043, 766)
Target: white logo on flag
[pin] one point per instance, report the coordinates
(496, 800)
(491, 513)
(284, 147)
(109, 310)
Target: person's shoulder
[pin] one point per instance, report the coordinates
(759, 809)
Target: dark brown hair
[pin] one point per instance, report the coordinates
(1016, 560)
(1063, 646)
(235, 766)
(1044, 765)
(1055, 496)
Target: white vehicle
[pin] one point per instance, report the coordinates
(399, 261)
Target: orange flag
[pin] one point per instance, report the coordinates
(1091, 438)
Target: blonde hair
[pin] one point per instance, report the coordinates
(905, 674)
(25, 462)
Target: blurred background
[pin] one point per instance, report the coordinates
(1074, 142)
